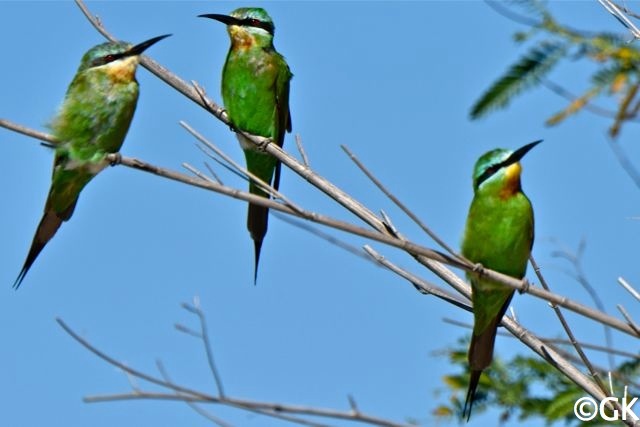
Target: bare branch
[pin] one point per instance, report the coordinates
(193, 405)
(213, 173)
(422, 285)
(626, 10)
(303, 153)
(196, 172)
(589, 106)
(184, 394)
(563, 341)
(28, 131)
(252, 177)
(554, 358)
(624, 161)
(191, 394)
(628, 318)
(398, 203)
(204, 336)
(621, 17)
(581, 278)
(322, 235)
(221, 162)
(567, 329)
(629, 288)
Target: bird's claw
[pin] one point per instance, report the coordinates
(525, 286)
(477, 268)
(116, 159)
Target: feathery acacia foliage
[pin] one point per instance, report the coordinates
(616, 69)
(524, 388)
(522, 75)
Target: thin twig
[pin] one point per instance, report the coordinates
(567, 328)
(42, 136)
(322, 235)
(554, 358)
(213, 173)
(197, 310)
(207, 152)
(563, 341)
(196, 172)
(220, 422)
(589, 106)
(422, 285)
(185, 394)
(576, 261)
(626, 10)
(629, 288)
(266, 187)
(196, 395)
(628, 318)
(624, 161)
(303, 153)
(398, 203)
(621, 17)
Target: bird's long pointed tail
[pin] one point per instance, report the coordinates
(257, 222)
(480, 356)
(471, 393)
(47, 228)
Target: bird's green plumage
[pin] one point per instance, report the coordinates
(499, 236)
(255, 91)
(92, 122)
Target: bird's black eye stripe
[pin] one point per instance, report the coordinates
(252, 22)
(488, 172)
(493, 169)
(105, 59)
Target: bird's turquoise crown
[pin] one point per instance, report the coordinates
(255, 17)
(488, 164)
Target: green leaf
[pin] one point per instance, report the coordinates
(522, 75)
(561, 407)
(534, 8)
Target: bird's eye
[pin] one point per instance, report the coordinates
(488, 172)
(109, 58)
(254, 22)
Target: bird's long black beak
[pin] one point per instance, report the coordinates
(141, 47)
(520, 152)
(225, 19)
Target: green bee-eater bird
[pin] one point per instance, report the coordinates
(92, 122)
(255, 91)
(499, 236)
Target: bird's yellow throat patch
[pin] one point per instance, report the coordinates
(512, 180)
(240, 37)
(122, 70)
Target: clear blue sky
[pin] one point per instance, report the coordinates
(392, 80)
